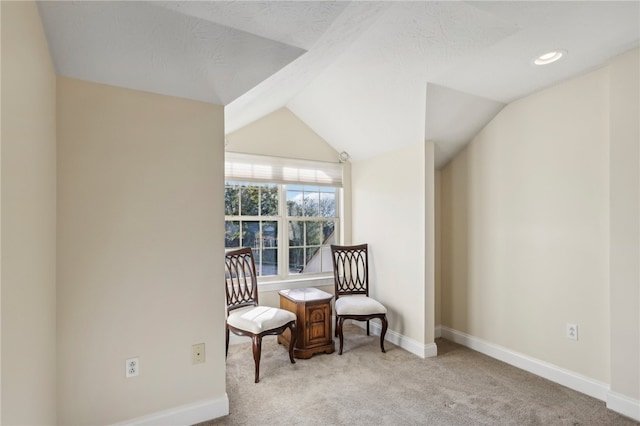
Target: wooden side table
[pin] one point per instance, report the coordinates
(313, 309)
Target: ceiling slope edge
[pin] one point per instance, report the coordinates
(279, 89)
(453, 118)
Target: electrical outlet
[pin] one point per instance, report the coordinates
(197, 353)
(132, 367)
(572, 331)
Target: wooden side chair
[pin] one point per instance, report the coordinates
(244, 316)
(351, 280)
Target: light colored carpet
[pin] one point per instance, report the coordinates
(366, 387)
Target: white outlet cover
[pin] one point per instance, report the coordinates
(132, 367)
(572, 331)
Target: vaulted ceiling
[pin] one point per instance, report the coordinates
(368, 77)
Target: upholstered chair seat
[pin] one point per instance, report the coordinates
(358, 305)
(260, 318)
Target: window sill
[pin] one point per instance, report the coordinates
(296, 283)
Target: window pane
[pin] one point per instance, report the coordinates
(326, 263)
(249, 200)
(313, 233)
(231, 206)
(257, 260)
(311, 204)
(269, 234)
(296, 233)
(313, 260)
(328, 232)
(231, 234)
(328, 204)
(312, 252)
(269, 200)
(294, 202)
(296, 260)
(269, 262)
(250, 231)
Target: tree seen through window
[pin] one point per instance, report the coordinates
(307, 220)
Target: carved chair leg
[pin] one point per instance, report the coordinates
(226, 351)
(384, 331)
(292, 341)
(335, 329)
(257, 351)
(339, 332)
(368, 328)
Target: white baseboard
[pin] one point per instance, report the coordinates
(540, 368)
(624, 405)
(189, 414)
(616, 402)
(409, 345)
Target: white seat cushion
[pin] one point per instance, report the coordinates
(256, 319)
(359, 305)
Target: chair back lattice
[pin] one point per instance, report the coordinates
(350, 270)
(240, 277)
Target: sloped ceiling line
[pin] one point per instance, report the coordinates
(368, 77)
(140, 46)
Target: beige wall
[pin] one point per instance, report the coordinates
(389, 215)
(281, 134)
(525, 228)
(140, 225)
(430, 256)
(437, 251)
(624, 163)
(28, 220)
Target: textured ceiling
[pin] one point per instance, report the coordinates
(294, 23)
(378, 89)
(375, 96)
(368, 77)
(141, 46)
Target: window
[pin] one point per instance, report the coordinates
(287, 238)
(251, 220)
(287, 211)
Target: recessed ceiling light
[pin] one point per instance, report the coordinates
(549, 57)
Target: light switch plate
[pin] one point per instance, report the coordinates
(197, 353)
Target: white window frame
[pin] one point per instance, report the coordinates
(283, 236)
(282, 171)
